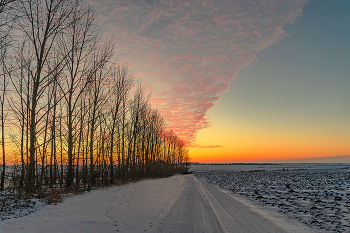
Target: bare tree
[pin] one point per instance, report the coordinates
(41, 23)
(3, 87)
(78, 45)
(7, 17)
(121, 83)
(97, 91)
(78, 117)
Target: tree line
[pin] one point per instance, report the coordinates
(70, 114)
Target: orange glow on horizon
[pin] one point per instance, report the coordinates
(226, 155)
(249, 158)
(247, 142)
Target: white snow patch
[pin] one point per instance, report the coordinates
(134, 207)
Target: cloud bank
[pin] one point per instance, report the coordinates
(189, 51)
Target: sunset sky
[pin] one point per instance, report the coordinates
(241, 80)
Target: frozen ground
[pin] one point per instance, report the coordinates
(174, 204)
(266, 167)
(318, 196)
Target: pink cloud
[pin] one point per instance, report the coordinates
(190, 50)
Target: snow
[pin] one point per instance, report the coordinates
(204, 208)
(265, 167)
(316, 197)
(188, 203)
(134, 207)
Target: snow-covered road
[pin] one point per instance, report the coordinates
(174, 204)
(202, 207)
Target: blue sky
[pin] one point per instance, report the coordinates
(297, 89)
(306, 71)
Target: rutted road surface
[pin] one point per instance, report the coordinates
(202, 207)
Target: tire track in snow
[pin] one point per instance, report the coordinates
(202, 207)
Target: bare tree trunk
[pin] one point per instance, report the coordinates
(61, 143)
(77, 178)
(53, 140)
(45, 141)
(3, 138)
(6, 16)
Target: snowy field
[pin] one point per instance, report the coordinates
(317, 195)
(266, 167)
(217, 198)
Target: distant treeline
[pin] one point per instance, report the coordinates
(70, 115)
(194, 163)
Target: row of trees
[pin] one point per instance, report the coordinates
(70, 114)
